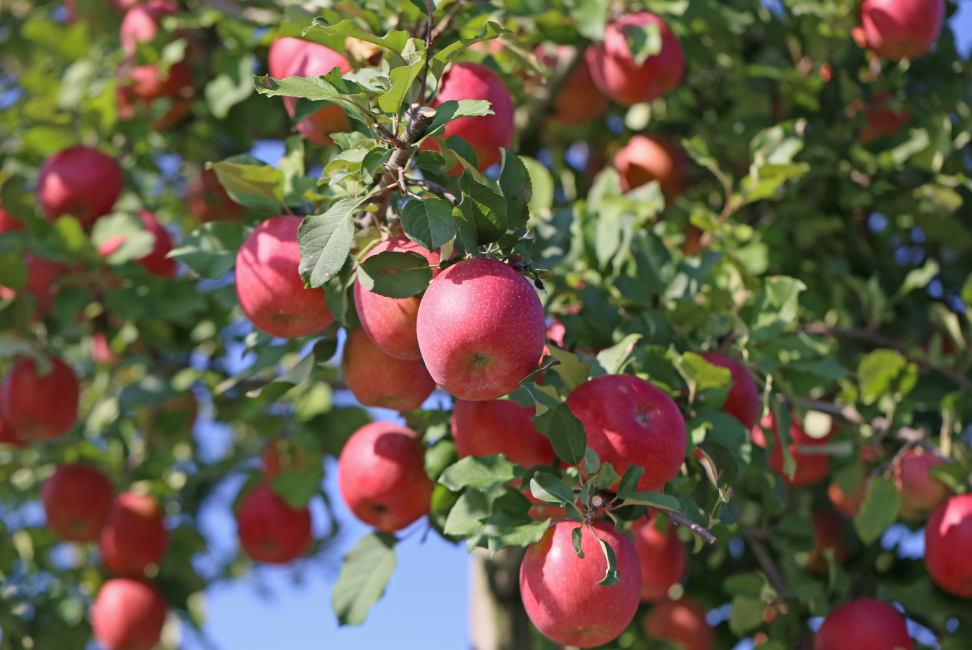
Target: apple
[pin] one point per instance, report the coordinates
(618, 75)
(147, 84)
(663, 558)
(481, 329)
(77, 500)
(631, 422)
(897, 29)
(128, 615)
(847, 504)
(881, 121)
(376, 379)
(207, 200)
(579, 101)
(135, 536)
(681, 622)
(948, 538)
(828, 527)
(42, 279)
(27, 404)
(653, 158)
(487, 133)
(274, 459)
(744, 401)
(310, 61)
(269, 286)
(920, 493)
(390, 322)
(270, 530)
(156, 262)
(79, 181)
(381, 473)
(810, 468)
(9, 223)
(9, 435)
(863, 624)
(500, 427)
(560, 591)
(141, 23)
(692, 246)
(282, 52)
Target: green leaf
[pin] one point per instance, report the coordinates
(697, 370)
(877, 371)
(919, 278)
(452, 110)
(300, 482)
(211, 249)
(653, 499)
(967, 293)
(478, 473)
(543, 398)
(465, 152)
(367, 568)
(643, 41)
(615, 359)
(542, 184)
(572, 372)
(550, 489)
(723, 461)
(879, 509)
(481, 217)
(395, 275)
(591, 18)
(612, 576)
(13, 271)
(747, 615)
(592, 462)
(136, 241)
(249, 182)
(517, 190)
(467, 515)
(325, 241)
(448, 53)
(521, 535)
(567, 435)
(428, 222)
(393, 40)
(629, 482)
(828, 367)
(577, 537)
(231, 86)
(776, 306)
(331, 87)
(402, 79)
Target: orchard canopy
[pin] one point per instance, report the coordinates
(661, 308)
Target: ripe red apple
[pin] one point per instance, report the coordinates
(663, 559)
(135, 536)
(896, 29)
(128, 615)
(881, 121)
(863, 624)
(269, 287)
(9, 435)
(390, 322)
(282, 52)
(810, 468)
(631, 422)
(207, 200)
(744, 402)
(310, 61)
(618, 75)
(480, 329)
(77, 499)
(920, 493)
(27, 404)
(653, 158)
(500, 427)
(376, 379)
(147, 84)
(156, 262)
(42, 280)
(79, 181)
(382, 476)
(141, 23)
(828, 527)
(9, 223)
(847, 504)
(682, 622)
(579, 101)
(560, 590)
(485, 134)
(948, 538)
(270, 530)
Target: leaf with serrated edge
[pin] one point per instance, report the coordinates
(325, 241)
(517, 189)
(567, 435)
(367, 568)
(629, 482)
(577, 536)
(428, 222)
(653, 499)
(550, 489)
(393, 40)
(478, 472)
(395, 275)
(454, 109)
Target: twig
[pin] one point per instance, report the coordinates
(443, 25)
(848, 413)
(685, 522)
(762, 555)
(434, 186)
(428, 51)
(530, 117)
(422, 117)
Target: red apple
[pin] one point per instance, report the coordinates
(663, 558)
(9, 223)
(560, 590)
(390, 322)
(743, 402)
(828, 527)
(135, 536)
(9, 435)
(27, 399)
(382, 476)
(902, 28)
(376, 379)
(269, 286)
(653, 158)
(631, 422)
(310, 61)
(42, 280)
(480, 329)
(128, 615)
(692, 246)
(148, 85)
(810, 468)
(881, 121)
(618, 75)
(847, 504)
(485, 134)
(207, 200)
(920, 493)
(122, 6)
(77, 499)
(681, 622)
(270, 530)
(500, 427)
(948, 538)
(282, 53)
(863, 624)
(579, 101)
(274, 461)
(141, 23)
(79, 181)
(156, 262)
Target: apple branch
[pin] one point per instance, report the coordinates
(763, 556)
(683, 521)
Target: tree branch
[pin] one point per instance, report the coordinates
(434, 186)
(685, 522)
(765, 560)
(446, 21)
(422, 117)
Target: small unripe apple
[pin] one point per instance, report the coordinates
(282, 52)
(310, 61)
(480, 329)
(948, 538)
(920, 493)
(619, 76)
(269, 286)
(207, 200)
(382, 476)
(579, 100)
(629, 421)
(500, 427)
(79, 181)
(663, 559)
(128, 615)
(863, 624)
(376, 379)
(560, 591)
(27, 404)
(743, 402)
(135, 536)
(828, 526)
(653, 158)
(270, 530)
(681, 622)
(390, 322)
(141, 23)
(810, 468)
(77, 500)
(896, 29)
